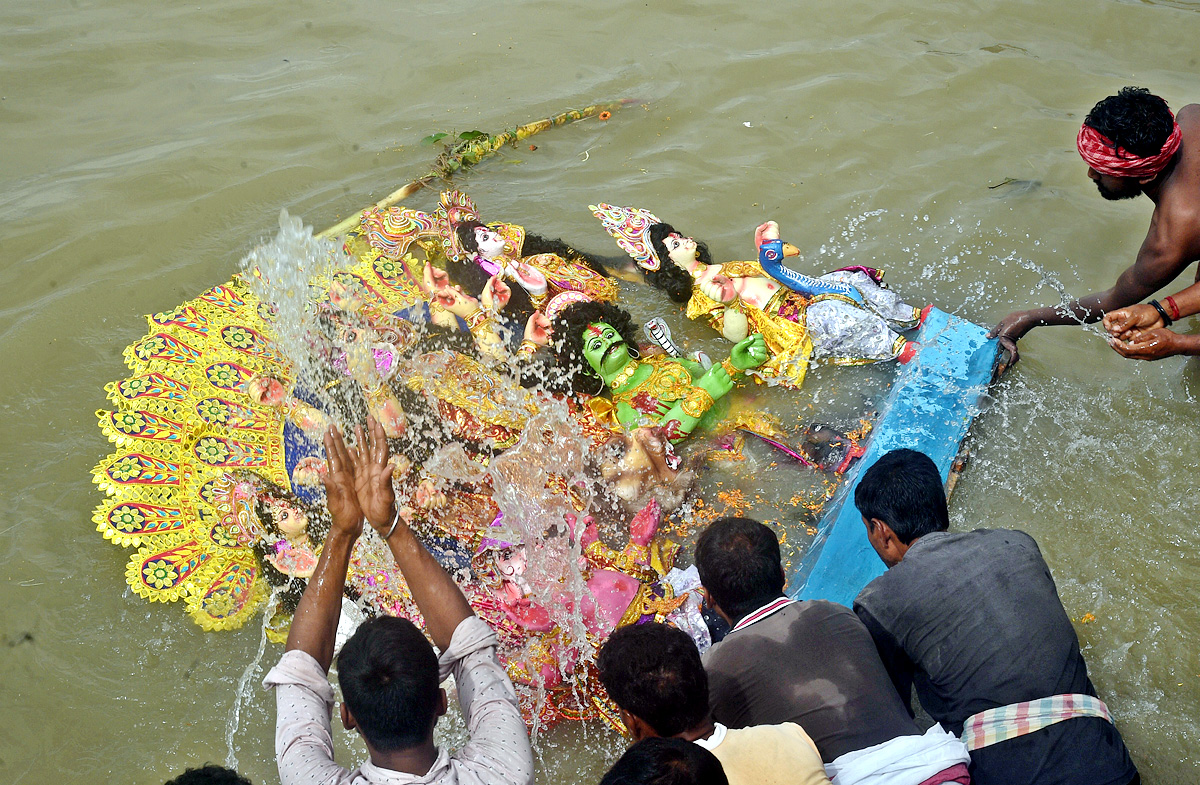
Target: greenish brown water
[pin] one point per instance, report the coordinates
(145, 148)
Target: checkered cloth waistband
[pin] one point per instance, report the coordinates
(1017, 719)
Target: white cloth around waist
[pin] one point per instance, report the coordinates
(904, 760)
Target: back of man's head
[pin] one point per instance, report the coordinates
(739, 564)
(389, 678)
(659, 761)
(904, 490)
(1134, 119)
(210, 774)
(653, 671)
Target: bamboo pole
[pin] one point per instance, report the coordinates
(467, 153)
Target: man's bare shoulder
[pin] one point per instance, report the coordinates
(1189, 112)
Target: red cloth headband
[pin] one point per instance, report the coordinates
(1106, 158)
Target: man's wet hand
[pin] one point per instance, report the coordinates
(1124, 322)
(340, 495)
(373, 474)
(1152, 344)
(1010, 330)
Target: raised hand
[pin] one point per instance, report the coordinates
(496, 294)
(341, 497)
(716, 382)
(435, 279)
(537, 329)
(373, 475)
(750, 352)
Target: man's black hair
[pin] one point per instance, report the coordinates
(1134, 119)
(739, 564)
(904, 490)
(659, 761)
(389, 678)
(210, 774)
(673, 280)
(653, 671)
(568, 329)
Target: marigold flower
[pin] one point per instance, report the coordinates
(605, 115)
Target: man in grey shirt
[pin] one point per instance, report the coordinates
(388, 672)
(974, 620)
(812, 663)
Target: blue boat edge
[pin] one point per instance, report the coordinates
(930, 408)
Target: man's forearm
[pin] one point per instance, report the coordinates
(1086, 310)
(1187, 302)
(314, 625)
(438, 597)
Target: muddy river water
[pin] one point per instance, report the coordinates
(145, 148)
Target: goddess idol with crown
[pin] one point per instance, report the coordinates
(797, 315)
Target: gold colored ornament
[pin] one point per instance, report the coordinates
(697, 402)
(623, 375)
(670, 381)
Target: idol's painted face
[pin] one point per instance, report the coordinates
(290, 521)
(491, 244)
(682, 250)
(604, 348)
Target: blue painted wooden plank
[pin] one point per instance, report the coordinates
(930, 408)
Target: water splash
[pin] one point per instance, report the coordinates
(242, 692)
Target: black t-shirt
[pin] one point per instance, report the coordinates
(812, 663)
(974, 622)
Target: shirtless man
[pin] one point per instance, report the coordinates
(1133, 146)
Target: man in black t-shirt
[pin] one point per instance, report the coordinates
(975, 622)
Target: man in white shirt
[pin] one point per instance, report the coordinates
(388, 672)
(654, 675)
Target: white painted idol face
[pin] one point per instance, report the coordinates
(291, 522)
(682, 250)
(491, 244)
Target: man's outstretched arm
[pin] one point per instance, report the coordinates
(438, 597)
(1163, 256)
(499, 745)
(314, 625)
